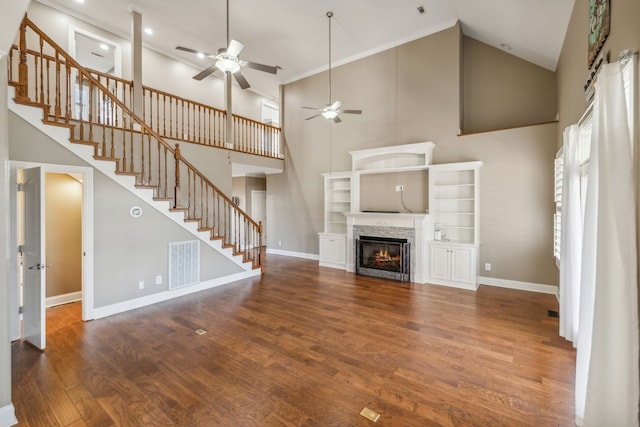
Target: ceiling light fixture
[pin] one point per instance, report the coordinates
(331, 111)
(227, 64)
(228, 61)
(329, 114)
(148, 31)
(104, 46)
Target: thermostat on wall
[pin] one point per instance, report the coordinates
(136, 211)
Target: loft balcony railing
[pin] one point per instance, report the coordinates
(174, 117)
(96, 109)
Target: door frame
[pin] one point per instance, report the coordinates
(262, 194)
(87, 238)
(117, 48)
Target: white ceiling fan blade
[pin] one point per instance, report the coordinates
(312, 117)
(335, 105)
(235, 47)
(336, 119)
(312, 108)
(351, 111)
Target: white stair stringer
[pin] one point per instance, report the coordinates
(60, 134)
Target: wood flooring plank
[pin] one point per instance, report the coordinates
(303, 345)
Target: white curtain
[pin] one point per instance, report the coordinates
(607, 372)
(571, 236)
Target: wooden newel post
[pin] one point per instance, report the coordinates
(176, 200)
(259, 242)
(22, 91)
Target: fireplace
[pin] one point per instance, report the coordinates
(384, 257)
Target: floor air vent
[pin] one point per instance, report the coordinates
(184, 264)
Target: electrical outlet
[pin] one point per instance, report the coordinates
(141, 284)
(487, 266)
(399, 188)
(159, 280)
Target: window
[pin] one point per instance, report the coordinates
(584, 152)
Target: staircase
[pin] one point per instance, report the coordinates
(89, 118)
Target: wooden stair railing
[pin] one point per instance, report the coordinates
(174, 117)
(179, 118)
(74, 97)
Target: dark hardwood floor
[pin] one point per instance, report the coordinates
(304, 346)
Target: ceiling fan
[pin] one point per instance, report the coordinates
(331, 111)
(228, 61)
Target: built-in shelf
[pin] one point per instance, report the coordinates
(453, 208)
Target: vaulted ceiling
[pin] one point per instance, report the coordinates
(293, 34)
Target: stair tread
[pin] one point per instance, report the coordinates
(72, 124)
(56, 123)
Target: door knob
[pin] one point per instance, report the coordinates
(39, 266)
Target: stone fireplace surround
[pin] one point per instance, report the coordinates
(412, 227)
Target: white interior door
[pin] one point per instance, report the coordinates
(259, 210)
(34, 326)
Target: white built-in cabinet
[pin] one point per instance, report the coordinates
(454, 203)
(453, 265)
(333, 250)
(451, 253)
(337, 202)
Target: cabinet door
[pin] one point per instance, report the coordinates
(326, 249)
(463, 264)
(340, 250)
(439, 262)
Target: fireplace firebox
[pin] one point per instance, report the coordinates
(384, 257)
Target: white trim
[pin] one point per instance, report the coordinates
(293, 254)
(85, 152)
(132, 304)
(522, 286)
(117, 48)
(8, 416)
(87, 224)
(63, 299)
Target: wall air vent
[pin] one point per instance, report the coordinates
(184, 264)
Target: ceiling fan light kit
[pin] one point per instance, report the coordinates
(228, 61)
(331, 111)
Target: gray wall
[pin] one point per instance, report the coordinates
(12, 11)
(5, 249)
(410, 94)
(126, 249)
(501, 91)
(572, 68)
(63, 205)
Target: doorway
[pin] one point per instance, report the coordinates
(259, 210)
(64, 270)
(95, 52)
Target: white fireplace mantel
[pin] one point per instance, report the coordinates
(419, 222)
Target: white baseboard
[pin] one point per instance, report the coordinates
(63, 299)
(8, 416)
(121, 307)
(522, 286)
(293, 254)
